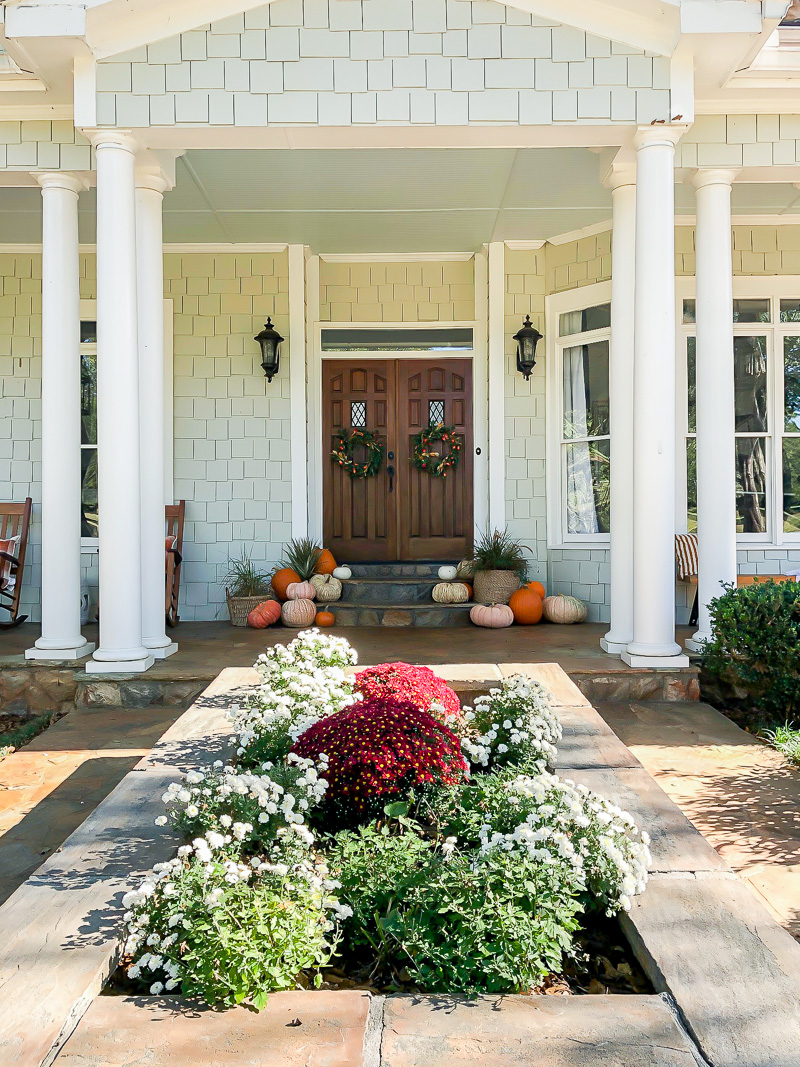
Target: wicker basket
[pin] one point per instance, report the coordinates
(494, 587)
(239, 607)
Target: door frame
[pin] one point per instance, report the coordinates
(480, 412)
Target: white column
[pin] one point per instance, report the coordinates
(61, 423)
(716, 440)
(150, 190)
(297, 389)
(497, 385)
(623, 260)
(121, 648)
(653, 643)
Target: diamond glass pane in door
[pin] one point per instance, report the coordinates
(436, 412)
(358, 415)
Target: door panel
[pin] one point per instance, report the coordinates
(436, 514)
(360, 521)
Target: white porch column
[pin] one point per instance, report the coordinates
(623, 259)
(653, 643)
(497, 386)
(150, 190)
(61, 423)
(121, 648)
(716, 441)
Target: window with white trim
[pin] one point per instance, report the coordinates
(766, 365)
(581, 378)
(89, 430)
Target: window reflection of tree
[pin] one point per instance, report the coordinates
(750, 383)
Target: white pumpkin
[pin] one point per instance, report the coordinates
(564, 610)
(447, 574)
(450, 593)
(342, 573)
(329, 589)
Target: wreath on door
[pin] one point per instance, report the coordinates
(426, 459)
(343, 453)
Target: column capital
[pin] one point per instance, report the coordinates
(155, 181)
(713, 176)
(112, 138)
(662, 134)
(60, 179)
(621, 176)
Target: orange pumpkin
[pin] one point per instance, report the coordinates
(326, 564)
(469, 590)
(527, 606)
(282, 579)
(264, 615)
(537, 587)
(324, 618)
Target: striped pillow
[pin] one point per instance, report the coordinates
(7, 579)
(686, 556)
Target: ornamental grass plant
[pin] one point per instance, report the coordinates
(362, 831)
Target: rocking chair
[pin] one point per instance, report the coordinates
(174, 514)
(15, 520)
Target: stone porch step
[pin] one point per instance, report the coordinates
(424, 569)
(401, 614)
(388, 591)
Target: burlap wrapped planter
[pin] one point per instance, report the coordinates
(494, 587)
(239, 607)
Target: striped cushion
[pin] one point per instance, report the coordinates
(7, 579)
(686, 556)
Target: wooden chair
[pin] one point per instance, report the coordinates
(15, 521)
(175, 514)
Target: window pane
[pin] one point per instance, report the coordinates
(791, 484)
(88, 400)
(88, 333)
(435, 412)
(691, 375)
(88, 492)
(387, 340)
(691, 485)
(588, 485)
(586, 390)
(689, 310)
(750, 383)
(791, 384)
(594, 318)
(790, 310)
(751, 485)
(751, 310)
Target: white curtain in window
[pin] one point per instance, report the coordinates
(581, 503)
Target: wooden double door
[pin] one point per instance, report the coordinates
(401, 513)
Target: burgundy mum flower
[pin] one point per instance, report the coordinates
(378, 750)
(416, 685)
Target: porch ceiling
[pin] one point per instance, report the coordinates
(388, 200)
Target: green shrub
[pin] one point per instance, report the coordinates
(756, 644)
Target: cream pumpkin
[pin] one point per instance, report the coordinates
(564, 610)
(493, 616)
(301, 591)
(342, 573)
(327, 587)
(297, 614)
(450, 593)
(447, 574)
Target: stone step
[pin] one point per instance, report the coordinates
(388, 591)
(436, 615)
(427, 569)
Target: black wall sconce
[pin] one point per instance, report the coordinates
(270, 341)
(527, 339)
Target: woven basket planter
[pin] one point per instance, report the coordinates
(494, 587)
(239, 607)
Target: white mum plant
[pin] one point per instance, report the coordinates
(515, 724)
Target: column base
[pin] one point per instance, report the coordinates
(122, 666)
(697, 641)
(612, 646)
(162, 652)
(664, 663)
(86, 649)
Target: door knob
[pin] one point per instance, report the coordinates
(390, 455)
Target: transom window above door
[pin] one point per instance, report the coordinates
(433, 339)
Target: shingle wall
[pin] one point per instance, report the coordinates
(579, 263)
(47, 145)
(397, 292)
(740, 141)
(385, 62)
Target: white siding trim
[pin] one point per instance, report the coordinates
(314, 399)
(297, 387)
(496, 367)
(480, 394)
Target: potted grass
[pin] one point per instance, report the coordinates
(245, 588)
(500, 567)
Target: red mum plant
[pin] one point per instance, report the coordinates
(378, 750)
(416, 685)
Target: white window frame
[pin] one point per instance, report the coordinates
(555, 306)
(775, 288)
(88, 313)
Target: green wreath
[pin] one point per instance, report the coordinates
(425, 459)
(343, 453)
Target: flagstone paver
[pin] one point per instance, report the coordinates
(742, 795)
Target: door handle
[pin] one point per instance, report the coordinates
(390, 472)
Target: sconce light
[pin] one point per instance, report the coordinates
(270, 341)
(527, 339)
